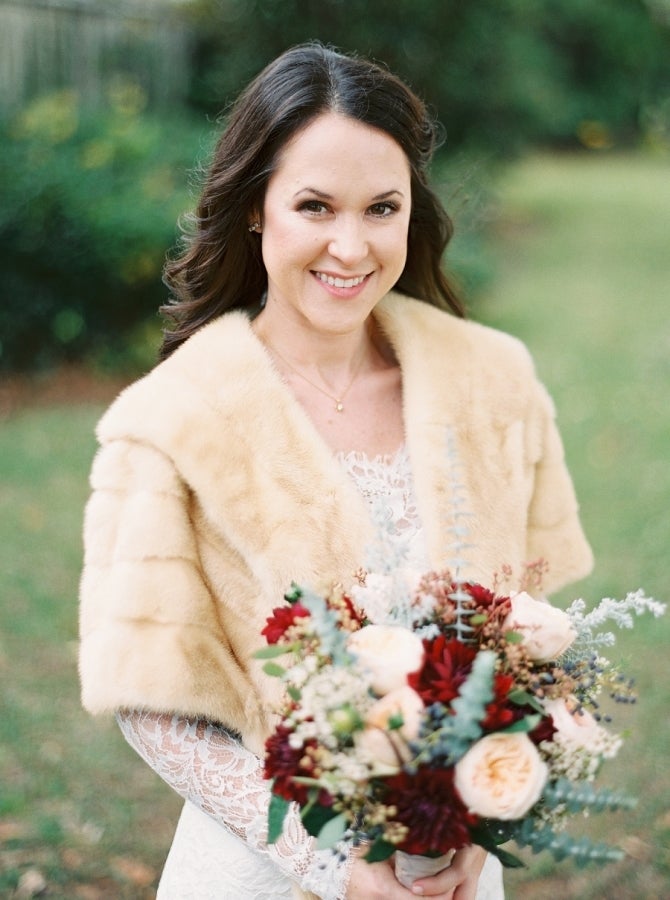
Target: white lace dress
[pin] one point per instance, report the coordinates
(219, 851)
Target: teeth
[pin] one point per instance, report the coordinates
(339, 282)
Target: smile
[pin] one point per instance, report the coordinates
(340, 282)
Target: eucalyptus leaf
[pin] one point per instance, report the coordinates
(332, 832)
(271, 668)
(379, 851)
(523, 725)
(276, 815)
(314, 817)
(513, 637)
(524, 698)
(274, 650)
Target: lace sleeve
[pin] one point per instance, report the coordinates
(204, 764)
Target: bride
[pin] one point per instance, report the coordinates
(316, 357)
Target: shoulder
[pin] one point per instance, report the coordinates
(443, 341)
(191, 380)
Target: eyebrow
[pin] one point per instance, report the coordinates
(322, 195)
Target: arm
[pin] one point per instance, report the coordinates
(208, 767)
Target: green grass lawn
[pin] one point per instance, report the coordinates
(582, 274)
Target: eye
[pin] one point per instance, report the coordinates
(313, 207)
(384, 209)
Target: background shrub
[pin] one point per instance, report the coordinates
(88, 207)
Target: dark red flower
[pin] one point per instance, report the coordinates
(543, 731)
(482, 596)
(429, 805)
(281, 620)
(282, 763)
(446, 666)
(500, 712)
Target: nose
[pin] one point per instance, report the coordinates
(348, 242)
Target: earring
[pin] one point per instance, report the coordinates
(255, 226)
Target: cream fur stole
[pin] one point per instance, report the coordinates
(212, 492)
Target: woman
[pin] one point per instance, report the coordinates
(318, 356)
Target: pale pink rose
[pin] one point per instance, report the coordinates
(547, 631)
(403, 702)
(389, 653)
(574, 724)
(383, 747)
(383, 752)
(501, 776)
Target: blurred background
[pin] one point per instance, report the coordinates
(555, 166)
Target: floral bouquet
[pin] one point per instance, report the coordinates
(426, 714)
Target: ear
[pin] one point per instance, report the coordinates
(254, 222)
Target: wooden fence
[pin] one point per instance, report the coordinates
(46, 45)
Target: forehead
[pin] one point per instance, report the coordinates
(335, 148)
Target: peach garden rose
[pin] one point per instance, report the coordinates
(501, 776)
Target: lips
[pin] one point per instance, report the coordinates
(334, 281)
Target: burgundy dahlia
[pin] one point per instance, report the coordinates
(446, 666)
(282, 763)
(428, 804)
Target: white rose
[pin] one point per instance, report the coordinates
(574, 724)
(547, 631)
(388, 653)
(501, 776)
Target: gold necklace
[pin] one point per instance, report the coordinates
(338, 401)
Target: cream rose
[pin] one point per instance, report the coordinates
(547, 631)
(501, 776)
(389, 653)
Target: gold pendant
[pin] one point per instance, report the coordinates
(339, 407)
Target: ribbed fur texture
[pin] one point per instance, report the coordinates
(212, 492)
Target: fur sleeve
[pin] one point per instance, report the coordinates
(554, 530)
(150, 631)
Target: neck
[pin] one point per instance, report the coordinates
(331, 356)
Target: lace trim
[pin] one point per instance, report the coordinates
(204, 764)
(386, 483)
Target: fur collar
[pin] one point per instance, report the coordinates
(219, 400)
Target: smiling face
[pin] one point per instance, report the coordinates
(334, 225)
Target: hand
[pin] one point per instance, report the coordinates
(377, 881)
(457, 882)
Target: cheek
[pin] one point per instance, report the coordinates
(285, 244)
(394, 249)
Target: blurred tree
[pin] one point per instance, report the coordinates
(499, 75)
(88, 206)
(88, 200)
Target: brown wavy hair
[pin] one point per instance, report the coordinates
(221, 267)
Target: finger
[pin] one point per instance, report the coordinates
(435, 886)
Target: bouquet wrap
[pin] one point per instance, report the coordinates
(410, 866)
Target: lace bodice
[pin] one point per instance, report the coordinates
(210, 768)
(386, 484)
